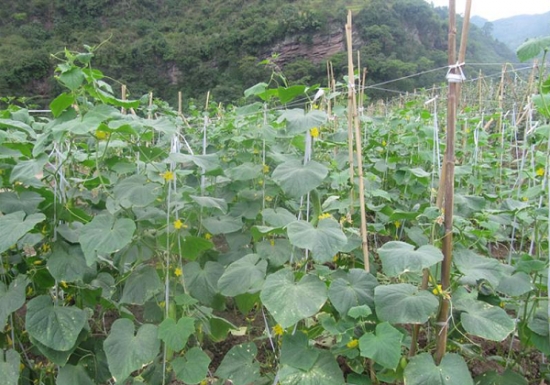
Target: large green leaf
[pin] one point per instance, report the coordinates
(71, 375)
(193, 246)
(354, 289)
(515, 285)
(57, 327)
(9, 368)
(245, 275)
(59, 104)
(192, 367)
(11, 298)
(105, 234)
(484, 320)
(299, 121)
(239, 365)
(136, 191)
(127, 351)
(476, 268)
(400, 257)
(324, 241)
(297, 353)
(13, 226)
(403, 303)
(207, 162)
(422, 370)
(175, 334)
(278, 217)
(493, 377)
(141, 285)
(222, 225)
(245, 171)
(297, 179)
(325, 371)
(533, 48)
(67, 263)
(210, 202)
(202, 283)
(25, 171)
(290, 301)
(384, 347)
(26, 201)
(277, 251)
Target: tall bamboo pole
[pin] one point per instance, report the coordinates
(358, 146)
(449, 165)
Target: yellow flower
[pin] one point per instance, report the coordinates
(278, 330)
(178, 224)
(437, 290)
(397, 224)
(352, 344)
(261, 182)
(384, 143)
(268, 199)
(525, 199)
(314, 132)
(335, 258)
(162, 304)
(63, 284)
(207, 236)
(101, 135)
(540, 171)
(178, 272)
(324, 216)
(272, 242)
(265, 169)
(168, 176)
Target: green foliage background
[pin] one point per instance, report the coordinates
(166, 46)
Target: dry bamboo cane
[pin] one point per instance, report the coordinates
(358, 145)
(123, 97)
(447, 248)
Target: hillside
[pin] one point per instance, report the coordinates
(513, 31)
(166, 46)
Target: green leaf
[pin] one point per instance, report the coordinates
(476, 268)
(11, 298)
(25, 171)
(136, 191)
(297, 353)
(404, 304)
(400, 257)
(15, 225)
(509, 377)
(59, 357)
(484, 320)
(105, 234)
(287, 94)
(57, 327)
(26, 201)
(192, 368)
(255, 89)
(142, 284)
(422, 370)
(325, 371)
(175, 334)
(298, 121)
(324, 241)
(127, 351)
(59, 104)
(222, 225)
(244, 172)
(533, 48)
(289, 301)
(9, 369)
(515, 285)
(207, 162)
(239, 365)
(277, 251)
(278, 217)
(203, 283)
(67, 263)
(297, 179)
(215, 203)
(193, 247)
(384, 347)
(71, 375)
(354, 289)
(359, 311)
(72, 79)
(245, 275)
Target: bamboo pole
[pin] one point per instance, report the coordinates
(447, 248)
(354, 121)
(123, 97)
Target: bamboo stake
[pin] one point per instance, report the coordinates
(358, 146)
(447, 248)
(123, 97)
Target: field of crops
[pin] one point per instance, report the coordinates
(270, 243)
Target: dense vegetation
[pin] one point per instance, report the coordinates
(166, 46)
(140, 245)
